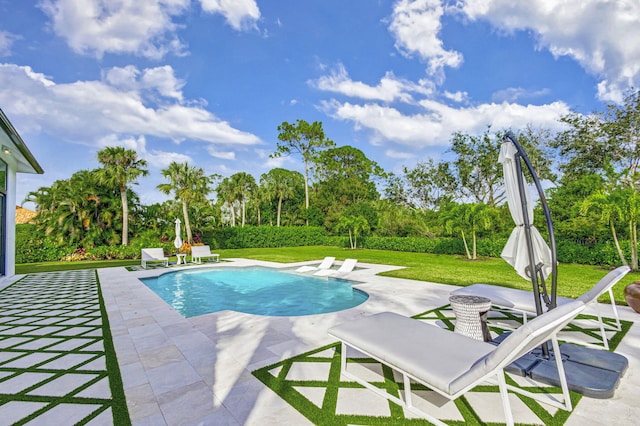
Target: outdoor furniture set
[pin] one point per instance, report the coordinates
(198, 253)
(453, 363)
(324, 268)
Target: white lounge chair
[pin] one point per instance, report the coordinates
(153, 255)
(325, 264)
(203, 252)
(346, 267)
(451, 363)
(522, 301)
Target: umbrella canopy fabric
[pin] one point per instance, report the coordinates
(515, 252)
(177, 243)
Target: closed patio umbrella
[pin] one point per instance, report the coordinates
(515, 252)
(177, 243)
(526, 250)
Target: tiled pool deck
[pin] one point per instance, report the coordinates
(197, 371)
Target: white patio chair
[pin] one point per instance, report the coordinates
(326, 263)
(449, 363)
(203, 252)
(347, 267)
(153, 255)
(522, 301)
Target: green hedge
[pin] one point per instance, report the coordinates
(32, 247)
(265, 236)
(491, 248)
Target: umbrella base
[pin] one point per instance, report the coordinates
(594, 373)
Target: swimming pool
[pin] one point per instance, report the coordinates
(254, 290)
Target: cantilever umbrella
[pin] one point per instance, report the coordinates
(525, 250)
(177, 243)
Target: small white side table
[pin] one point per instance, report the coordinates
(182, 256)
(471, 316)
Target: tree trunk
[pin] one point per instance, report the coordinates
(279, 209)
(475, 252)
(350, 240)
(306, 191)
(466, 246)
(633, 237)
(233, 214)
(187, 224)
(617, 243)
(243, 210)
(125, 217)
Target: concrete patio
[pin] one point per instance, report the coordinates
(198, 371)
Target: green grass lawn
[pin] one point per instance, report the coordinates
(573, 280)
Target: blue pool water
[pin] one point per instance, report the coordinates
(260, 291)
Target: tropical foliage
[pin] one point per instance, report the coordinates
(590, 170)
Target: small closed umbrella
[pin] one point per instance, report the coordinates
(177, 243)
(515, 252)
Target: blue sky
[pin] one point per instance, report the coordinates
(209, 81)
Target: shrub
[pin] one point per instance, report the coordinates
(265, 236)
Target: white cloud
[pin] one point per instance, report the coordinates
(389, 89)
(398, 155)
(437, 121)
(6, 42)
(457, 96)
(416, 26)
(96, 27)
(223, 155)
(154, 157)
(512, 94)
(599, 34)
(85, 111)
(240, 14)
(271, 163)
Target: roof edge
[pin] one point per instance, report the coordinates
(19, 143)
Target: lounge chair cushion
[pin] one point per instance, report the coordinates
(415, 347)
(346, 267)
(443, 359)
(325, 264)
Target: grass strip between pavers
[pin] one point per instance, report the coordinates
(274, 377)
(54, 317)
(119, 405)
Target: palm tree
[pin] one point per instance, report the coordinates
(227, 194)
(120, 167)
(189, 184)
(243, 184)
(355, 225)
(611, 211)
(470, 217)
(77, 211)
(280, 184)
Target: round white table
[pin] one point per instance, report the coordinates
(471, 316)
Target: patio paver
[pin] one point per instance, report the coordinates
(199, 370)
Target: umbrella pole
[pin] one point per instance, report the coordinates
(539, 287)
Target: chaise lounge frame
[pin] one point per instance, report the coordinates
(153, 255)
(203, 252)
(521, 301)
(459, 364)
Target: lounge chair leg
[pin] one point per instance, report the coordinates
(563, 378)
(615, 311)
(407, 391)
(502, 384)
(603, 332)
